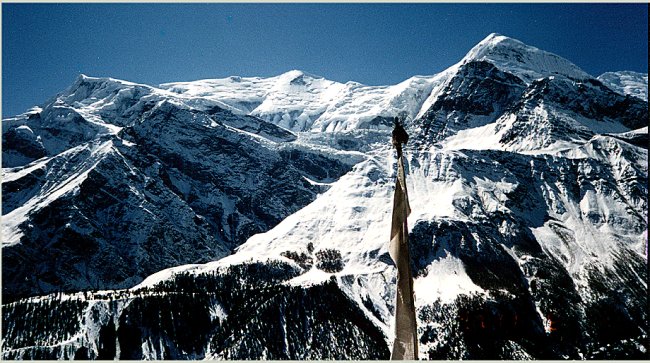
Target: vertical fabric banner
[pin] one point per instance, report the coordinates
(405, 346)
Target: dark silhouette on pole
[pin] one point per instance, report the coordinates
(405, 345)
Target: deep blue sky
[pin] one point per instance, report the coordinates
(46, 46)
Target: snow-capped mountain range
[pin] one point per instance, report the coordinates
(255, 214)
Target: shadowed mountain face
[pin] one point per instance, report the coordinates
(177, 186)
(215, 232)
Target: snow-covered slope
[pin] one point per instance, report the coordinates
(627, 83)
(528, 184)
(300, 101)
(522, 60)
(509, 96)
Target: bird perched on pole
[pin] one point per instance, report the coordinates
(399, 136)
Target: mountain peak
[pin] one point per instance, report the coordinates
(89, 79)
(297, 74)
(496, 38)
(525, 61)
(86, 85)
(495, 42)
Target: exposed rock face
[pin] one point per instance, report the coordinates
(176, 186)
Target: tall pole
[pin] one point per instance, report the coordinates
(405, 346)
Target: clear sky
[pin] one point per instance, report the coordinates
(46, 46)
